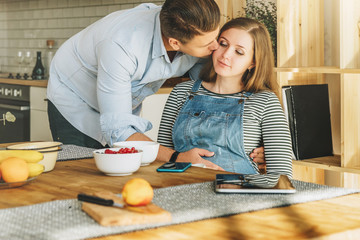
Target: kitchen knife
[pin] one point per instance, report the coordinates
(98, 200)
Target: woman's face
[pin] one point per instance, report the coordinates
(235, 53)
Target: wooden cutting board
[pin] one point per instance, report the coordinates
(115, 216)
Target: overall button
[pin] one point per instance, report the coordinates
(196, 114)
(191, 97)
(241, 101)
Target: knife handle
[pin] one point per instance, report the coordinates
(96, 200)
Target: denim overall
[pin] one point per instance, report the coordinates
(216, 125)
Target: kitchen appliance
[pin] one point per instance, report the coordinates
(14, 113)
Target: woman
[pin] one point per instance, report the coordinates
(234, 107)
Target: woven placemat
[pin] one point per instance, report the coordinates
(63, 219)
(73, 152)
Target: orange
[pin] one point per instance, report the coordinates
(14, 170)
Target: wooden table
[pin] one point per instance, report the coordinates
(337, 218)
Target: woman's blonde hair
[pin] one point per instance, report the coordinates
(261, 77)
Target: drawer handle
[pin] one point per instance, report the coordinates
(13, 107)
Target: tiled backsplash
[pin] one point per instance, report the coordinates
(25, 25)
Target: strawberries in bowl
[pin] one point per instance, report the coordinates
(149, 148)
(118, 161)
(121, 151)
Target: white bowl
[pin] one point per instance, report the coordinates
(150, 149)
(35, 146)
(48, 149)
(50, 157)
(117, 164)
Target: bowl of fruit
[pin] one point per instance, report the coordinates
(48, 149)
(118, 161)
(19, 167)
(150, 149)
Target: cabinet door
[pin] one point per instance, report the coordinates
(38, 98)
(39, 126)
(39, 123)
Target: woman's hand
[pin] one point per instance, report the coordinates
(258, 156)
(195, 156)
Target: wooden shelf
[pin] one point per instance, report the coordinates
(309, 33)
(325, 69)
(332, 163)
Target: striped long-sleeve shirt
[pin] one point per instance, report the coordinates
(264, 123)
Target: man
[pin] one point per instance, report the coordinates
(101, 75)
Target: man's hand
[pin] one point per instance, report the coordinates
(195, 156)
(258, 156)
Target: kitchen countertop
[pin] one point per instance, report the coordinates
(165, 88)
(34, 83)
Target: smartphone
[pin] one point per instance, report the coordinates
(174, 167)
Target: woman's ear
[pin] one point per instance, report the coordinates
(174, 43)
(251, 66)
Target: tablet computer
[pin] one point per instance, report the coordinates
(238, 183)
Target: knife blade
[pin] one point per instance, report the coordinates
(98, 200)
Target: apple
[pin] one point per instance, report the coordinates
(137, 192)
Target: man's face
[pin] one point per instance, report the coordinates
(201, 45)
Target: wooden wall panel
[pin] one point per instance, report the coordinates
(333, 81)
(300, 33)
(350, 85)
(231, 9)
(350, 34)
(308, 174)
(301, 45)
(350, 180)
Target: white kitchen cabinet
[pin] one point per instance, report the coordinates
(152, 110)
(39, 123)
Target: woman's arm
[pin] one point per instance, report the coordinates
(277, 139)
(169, 115)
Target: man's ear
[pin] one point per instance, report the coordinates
(174, 43)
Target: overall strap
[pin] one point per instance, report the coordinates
(195, 87)
(246, 94)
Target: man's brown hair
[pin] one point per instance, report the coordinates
(184, 19)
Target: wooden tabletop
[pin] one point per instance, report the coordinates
(337, 218)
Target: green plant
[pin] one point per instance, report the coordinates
(265, 12)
